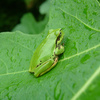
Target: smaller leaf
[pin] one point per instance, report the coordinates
(44, 8)
(30, 25)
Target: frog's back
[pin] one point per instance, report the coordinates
(44, 51)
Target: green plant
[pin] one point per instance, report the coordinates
(77, 74)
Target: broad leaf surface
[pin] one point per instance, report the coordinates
(77, 74)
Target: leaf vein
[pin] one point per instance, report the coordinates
(98, 2)
(80, 53)
(85, 86)
(5, 65)
(20, 44)
(19, 72)
(80, 20)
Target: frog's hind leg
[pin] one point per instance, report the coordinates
(55, 62)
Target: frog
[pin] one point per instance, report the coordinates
(46, 55)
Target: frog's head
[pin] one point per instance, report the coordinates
(59, 34)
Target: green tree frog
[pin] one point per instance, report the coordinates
(45, 56)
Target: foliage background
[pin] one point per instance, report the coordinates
(77, 74)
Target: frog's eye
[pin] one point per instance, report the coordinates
(60, 29)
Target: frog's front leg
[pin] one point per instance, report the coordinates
(45, 67)
(59, 50)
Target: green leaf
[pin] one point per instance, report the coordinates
(77, 74)
(29, 25)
